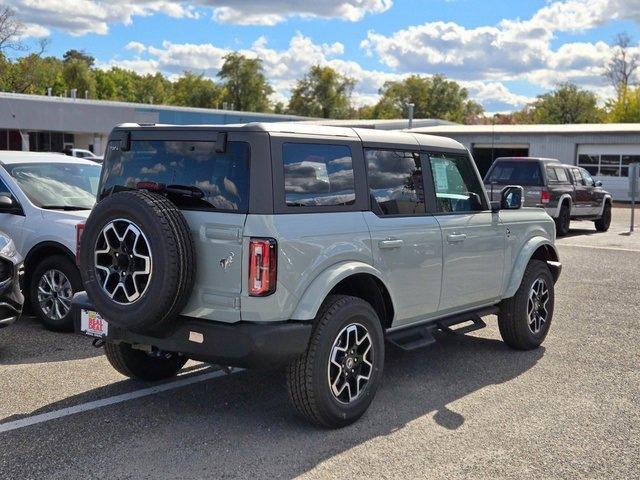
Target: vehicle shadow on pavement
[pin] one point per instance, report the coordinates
(27, 341)
(242, 425)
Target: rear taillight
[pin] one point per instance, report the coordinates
(79, 230)
(263, 255)
(545, 196)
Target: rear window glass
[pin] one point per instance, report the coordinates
(192, 174)
(318, 175)
(516, 173)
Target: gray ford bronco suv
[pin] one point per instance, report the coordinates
(566, 192)
(266, 245)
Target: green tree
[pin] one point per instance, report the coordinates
(194, 90)
(79, 55)
(245, 86)
(626, 108)
(78, 75)
(322, 92)
(566, 104)
(433, 97)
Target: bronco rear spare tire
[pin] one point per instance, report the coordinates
(137, 260)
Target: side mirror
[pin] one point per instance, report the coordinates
(511, 197)
(598, 183)
(7, 205)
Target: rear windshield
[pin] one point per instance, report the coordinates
(516, 173)
(190, 173)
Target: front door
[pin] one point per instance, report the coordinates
(582, 201)
(595, 200)
(473, 237)
(406, 242)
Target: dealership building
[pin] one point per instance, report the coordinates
(44, 123)
(605, 150)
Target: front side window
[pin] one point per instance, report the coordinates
(190, 173)
(577, 177)
(587, 180)
(457, 186)
(53, 185)
(395, 182)
(318, 175)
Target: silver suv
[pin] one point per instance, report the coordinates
(281, 244)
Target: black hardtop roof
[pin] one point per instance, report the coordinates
(366, 135)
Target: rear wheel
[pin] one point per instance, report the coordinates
(141, 365)
(53, 283)
(334, 382)
(604, 222)
(563, 221)
(525, 318)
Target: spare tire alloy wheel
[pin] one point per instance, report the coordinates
(350, 363)
(123, 261)
(55, 294)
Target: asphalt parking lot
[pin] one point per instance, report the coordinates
(467, 407)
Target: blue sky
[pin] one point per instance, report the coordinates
(504, 52)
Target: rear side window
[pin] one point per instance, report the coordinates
(516, 173)
(395, 182)
(561, 174)
(551, 174)
(192, 174)
(318, 175)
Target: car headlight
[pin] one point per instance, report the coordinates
(8, 249)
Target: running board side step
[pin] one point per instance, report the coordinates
(420, 336)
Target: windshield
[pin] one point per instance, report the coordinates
(515, 172)
(63, 186)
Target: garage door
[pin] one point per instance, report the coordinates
(610, 164)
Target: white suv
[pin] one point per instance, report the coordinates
(43, 199)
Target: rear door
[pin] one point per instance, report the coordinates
(211, 188)
(406, 241)
(473, 237)
(582, 202)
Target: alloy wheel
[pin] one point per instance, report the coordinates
(55, 294)
(350, 363)
(123, 261)
(537, 312)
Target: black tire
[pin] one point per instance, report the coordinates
(604, 222)
(172, 253)
(563, 222)
(141, 365)
(308, 376)
(46, 311)
(513, 318)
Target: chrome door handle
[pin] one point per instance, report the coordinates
(456, 238)
(390, 243)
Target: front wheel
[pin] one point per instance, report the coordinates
(140, 365)
(525, 318)
(53, 283)
(604, 222)
(333, 383)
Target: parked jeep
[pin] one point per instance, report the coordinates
(566, 192)
(283, 244)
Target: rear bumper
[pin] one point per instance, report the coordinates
(242, 344)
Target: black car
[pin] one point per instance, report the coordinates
(11, 298)
(566, 192)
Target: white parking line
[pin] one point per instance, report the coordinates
(620, 249)
(104, 402)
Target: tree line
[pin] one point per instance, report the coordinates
(242, 85)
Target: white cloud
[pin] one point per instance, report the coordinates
(136, 47)
(511, 50)
(79, 17)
